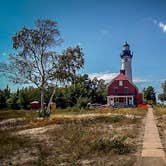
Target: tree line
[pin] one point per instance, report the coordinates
(78, 94)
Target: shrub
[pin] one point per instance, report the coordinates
(82, 102)
(44, 113)
(117, 144)
(102, 144)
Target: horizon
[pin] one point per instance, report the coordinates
(100, 28)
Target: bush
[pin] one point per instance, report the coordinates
(116, 144)
(82, 102)
(44, 113)
(119, 145)
(102, 144)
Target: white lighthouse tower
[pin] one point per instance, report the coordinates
(126, 60)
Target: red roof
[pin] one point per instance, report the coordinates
(120, 76)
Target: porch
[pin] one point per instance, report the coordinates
(120, 101)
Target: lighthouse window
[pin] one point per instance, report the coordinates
(120, 83)
(125, 59)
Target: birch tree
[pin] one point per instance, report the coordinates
(34, 60)
(69, 63)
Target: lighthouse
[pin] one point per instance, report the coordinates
(122, 92)
(126, 60)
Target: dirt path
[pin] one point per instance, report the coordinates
(152, 153)
(39, 130)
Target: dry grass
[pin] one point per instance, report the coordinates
(159, 111)
(21, 119)
(98, 140)
(10, 114)
(160, 116)
(75, 111)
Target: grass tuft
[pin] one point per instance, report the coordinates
(117, 144)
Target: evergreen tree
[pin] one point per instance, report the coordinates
(150, 95)
(162, 96)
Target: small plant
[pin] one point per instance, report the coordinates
(116, 144)
(82, 102)
(44, 113)
(102, 144)
(119, 145)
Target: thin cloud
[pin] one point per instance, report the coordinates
(139, 80)
(159, 24)
(104, 32)
(79, 44)
(4, 54)
(3, 57)
(109, 76)
(162, 26)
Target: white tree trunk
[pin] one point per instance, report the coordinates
(42, 100)
(49, 104)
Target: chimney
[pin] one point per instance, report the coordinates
(122, 71)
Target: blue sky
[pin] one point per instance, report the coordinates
(100, 27)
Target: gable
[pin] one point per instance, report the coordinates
(122, 77)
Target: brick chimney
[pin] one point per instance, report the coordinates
(122, 71)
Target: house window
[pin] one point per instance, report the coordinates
(126, 90)
(115, 90)
(120, 83)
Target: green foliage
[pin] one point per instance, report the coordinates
(162, 96)
(4, 96)
(79, 94)
(82, 102)
(44, 113)
(150, 95)
(12, 102)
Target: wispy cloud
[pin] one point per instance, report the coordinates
(107, 76)
(162, 25)
(159, 24)
(3, 57)
(139, 80)
(104, 32)
(141, 83)
(79, 44)
(4, 54)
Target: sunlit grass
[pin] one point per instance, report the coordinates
(9, 114)
(75, 111)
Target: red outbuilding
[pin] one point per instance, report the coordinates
(122, 92)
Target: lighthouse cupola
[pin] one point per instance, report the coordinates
(126, 60)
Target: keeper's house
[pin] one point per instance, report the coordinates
(122, 92)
